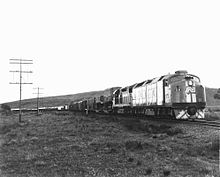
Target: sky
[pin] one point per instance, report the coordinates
(78, 46)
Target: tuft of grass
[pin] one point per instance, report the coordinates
(8, 127)
(205, 170)
(139, 163)
(148, 171)
(174, 131)
(215, 144)
(133, 145)
(210, 149)
(130, 159)
(166, 172)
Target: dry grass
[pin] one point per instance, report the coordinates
(211, 115)
(75, 145)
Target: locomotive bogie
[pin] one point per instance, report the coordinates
(185, 114)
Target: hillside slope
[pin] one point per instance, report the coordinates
(210, 92)
(66, 99)
(59, 100)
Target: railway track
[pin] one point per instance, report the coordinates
(215, 124)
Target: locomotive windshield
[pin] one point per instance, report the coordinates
(190, 77)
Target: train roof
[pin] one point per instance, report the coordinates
(127, 88)
(183, 73)
(168, 76)
(149, 81)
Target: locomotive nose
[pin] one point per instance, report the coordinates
(191, 110)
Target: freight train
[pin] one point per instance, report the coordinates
(180, 96)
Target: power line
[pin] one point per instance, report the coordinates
(20, 62)
(38, 93)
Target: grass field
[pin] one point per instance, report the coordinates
(67, 144)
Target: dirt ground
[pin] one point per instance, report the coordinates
(66, 144)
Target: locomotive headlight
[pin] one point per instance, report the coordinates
(190, 83)
(191, 110)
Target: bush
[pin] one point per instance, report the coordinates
(133, 145)
(174, 131)
(5, 108)
(212, 115)
(217, 96)
(148, 171)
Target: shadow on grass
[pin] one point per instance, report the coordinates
(7, 128)
(139, 126)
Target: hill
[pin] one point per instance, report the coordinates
(66, 99)
(59, 100)
(210, 92)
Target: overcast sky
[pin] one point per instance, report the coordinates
(87, 45)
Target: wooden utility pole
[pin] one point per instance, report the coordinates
(38, 93)
(20, 62)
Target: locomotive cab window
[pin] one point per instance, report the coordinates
(166, 82)
(190, 83)
(188, 77)
(177, 89)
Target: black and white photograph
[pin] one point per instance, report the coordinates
(120, 88)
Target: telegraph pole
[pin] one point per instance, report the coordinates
(20, 62)
(38, 93)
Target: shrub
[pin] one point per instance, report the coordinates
(174, 131)
(5, 108)
(148, 171)
(212, 115)
(166, 172)
(133, 145)
(217, 96)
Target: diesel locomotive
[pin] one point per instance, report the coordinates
(180, 96)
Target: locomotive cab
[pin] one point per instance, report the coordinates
(187, 95)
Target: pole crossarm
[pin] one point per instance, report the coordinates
(20, 59)
(19, 63)
(14, 59)
(20, 83)
(21, 71)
